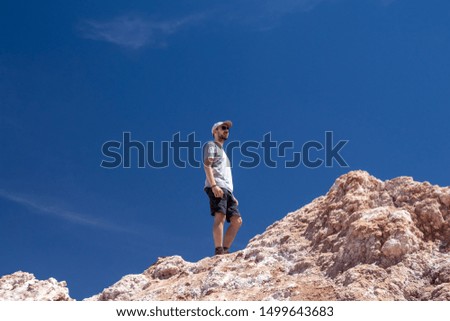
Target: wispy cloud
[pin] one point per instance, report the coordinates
(133, 31)
(69, 216)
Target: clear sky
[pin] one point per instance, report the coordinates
(77, 74)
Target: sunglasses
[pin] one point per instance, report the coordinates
(223, 127)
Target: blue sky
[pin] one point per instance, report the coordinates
(74, 75)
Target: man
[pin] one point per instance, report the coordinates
(219, 187)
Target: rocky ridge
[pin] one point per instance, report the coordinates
(364, 240)
(22, 286)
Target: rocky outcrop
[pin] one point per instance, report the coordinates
(22, 286)
(364, 240)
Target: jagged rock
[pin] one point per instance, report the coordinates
(22, 286)
(364, 240)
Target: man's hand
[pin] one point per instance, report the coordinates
(235, 199)
(217, 191)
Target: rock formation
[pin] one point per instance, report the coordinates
(22, 286)
(364, 240)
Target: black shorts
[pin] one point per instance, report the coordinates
(226, 205)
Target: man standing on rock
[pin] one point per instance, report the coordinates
(219, 187)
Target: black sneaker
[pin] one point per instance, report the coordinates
(226, 250)
(219, 251)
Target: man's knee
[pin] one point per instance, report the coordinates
(219, 218)
(236, 221)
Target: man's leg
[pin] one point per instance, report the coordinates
(235, 224)
(219, 221)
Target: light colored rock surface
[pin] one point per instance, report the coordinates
(22, 286)
(364, 240)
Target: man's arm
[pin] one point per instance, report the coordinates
(210, 177)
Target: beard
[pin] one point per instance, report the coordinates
(223, 137)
